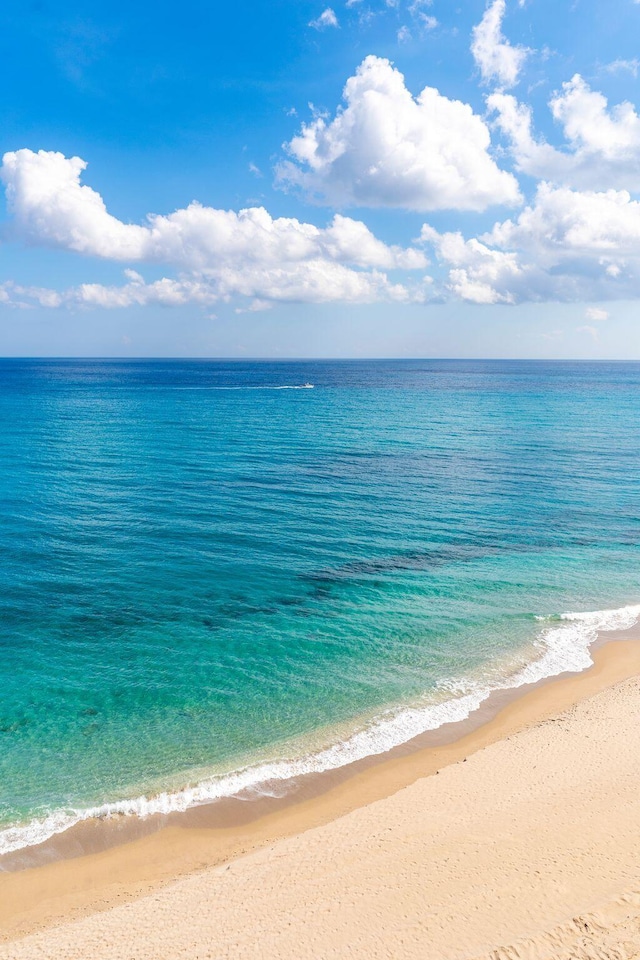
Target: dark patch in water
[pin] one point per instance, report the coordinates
(13, 726)
(418, 560)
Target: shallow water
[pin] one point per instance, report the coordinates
(202, 571)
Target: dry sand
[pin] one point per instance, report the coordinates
(528, 848)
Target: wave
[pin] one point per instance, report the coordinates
(564, 646)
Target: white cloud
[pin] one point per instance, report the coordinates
(386, 148)
(49, 204)
(403, 35)
(476, 272)
(596, 314)
(566, 245)
(590, 331)
(256, 306)
(422, 19)
(134, 276)
(163, 292)
(350, 241)
(589, 125)
(221, 253)
(564, 223)
(326, 19)
(313, 282)
(531, 155)
(602, 145)
(624, 66)
(496, 59)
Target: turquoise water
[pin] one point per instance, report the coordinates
(202, 572)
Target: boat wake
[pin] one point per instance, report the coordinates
(252, 386)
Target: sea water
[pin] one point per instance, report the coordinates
(219, 574)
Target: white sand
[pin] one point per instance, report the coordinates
(529, 849)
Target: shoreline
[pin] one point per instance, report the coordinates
(86, 874)
(247, 793)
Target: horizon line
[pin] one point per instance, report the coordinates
(268, 359)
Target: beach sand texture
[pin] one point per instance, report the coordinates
(529, 848)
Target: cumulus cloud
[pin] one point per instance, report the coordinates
(498, 61)
(590, 126)
(477, 273)
(602, 145)
(49, 205)
(566, 245)
(564, 223)
(386, 148)
(222, 253)
(326, 19)
(313, 282)
(532, 155)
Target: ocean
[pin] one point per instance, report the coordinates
(216, 574)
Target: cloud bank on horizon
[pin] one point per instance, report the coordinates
(564, 222)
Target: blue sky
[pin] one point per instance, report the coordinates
(370, 178)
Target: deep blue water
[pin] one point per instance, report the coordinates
(201, 571)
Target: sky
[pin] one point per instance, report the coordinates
(373, 178)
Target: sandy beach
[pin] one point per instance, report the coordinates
(520, 839)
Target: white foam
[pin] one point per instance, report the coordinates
(564, 647)
(247, 386)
